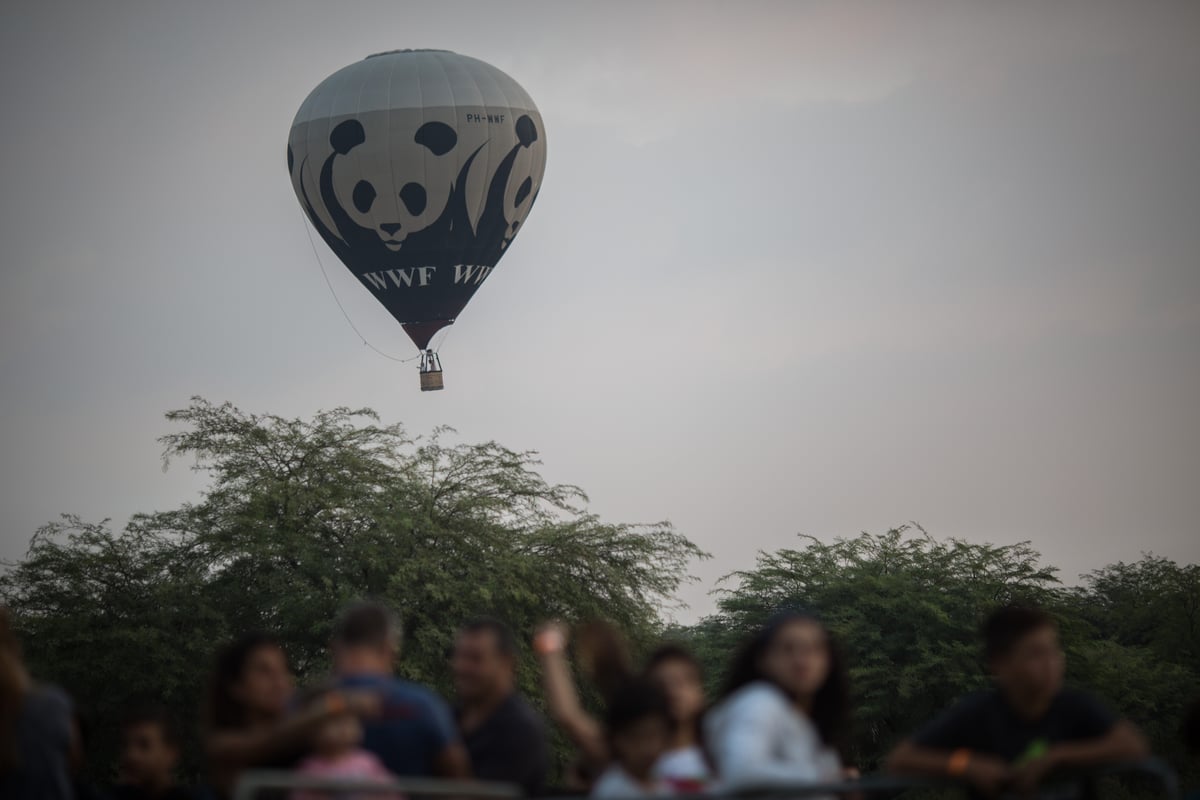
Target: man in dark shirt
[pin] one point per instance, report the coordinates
(1027, 726)
(414, 733)
(505, 737)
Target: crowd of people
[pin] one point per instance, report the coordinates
(779, 721)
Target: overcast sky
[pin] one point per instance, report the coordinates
(795, 268)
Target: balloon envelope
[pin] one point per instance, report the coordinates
(418, 168)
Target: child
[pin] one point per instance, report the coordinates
(639, 732)
(149, 756)
(337, 755)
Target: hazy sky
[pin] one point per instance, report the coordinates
(795, 268)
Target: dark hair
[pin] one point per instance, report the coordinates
(366, 625)
(831, 705)
(636, 700)
(224, 710)
(1008, 625)
(1191, 727)
(157, 716)
(669, 652)
(506, 643)
(603, 653)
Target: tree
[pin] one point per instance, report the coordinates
(303, 516)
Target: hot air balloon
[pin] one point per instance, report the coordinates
(418, 168)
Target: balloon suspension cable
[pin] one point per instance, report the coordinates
(342, 308)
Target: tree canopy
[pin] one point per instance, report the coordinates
(301, 517)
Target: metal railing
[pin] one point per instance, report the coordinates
(255, 781)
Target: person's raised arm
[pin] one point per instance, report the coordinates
(562, 698)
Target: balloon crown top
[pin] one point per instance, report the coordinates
(409, 50)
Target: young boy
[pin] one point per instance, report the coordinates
(1029, 725)
(149, 756)
(639, 728)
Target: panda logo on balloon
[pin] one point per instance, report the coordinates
(418, 223)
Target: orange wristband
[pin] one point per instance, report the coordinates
(959, 760)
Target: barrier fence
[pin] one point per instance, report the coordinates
(255, 784)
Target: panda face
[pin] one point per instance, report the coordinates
(522, 187)
(418, 166)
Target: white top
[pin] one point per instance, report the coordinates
(616, 782)
(757, 738)
(683, 768)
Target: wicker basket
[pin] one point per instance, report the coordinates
(431, 381)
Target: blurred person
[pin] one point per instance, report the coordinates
(338, 755)
(150, 751)
(783, 710)
(36, 729)
(414, 734)
(638, 730)
(246, 720)
(1029, 724)
(603, 655)
(684, 766)
(505, 738)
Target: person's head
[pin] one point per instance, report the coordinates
(339, 733)
(251, 681)
(366, 639)
(484, 661)
(149, 749)
(681, 678)
(638, 725)
(603, 653)
(1023, 652)
(796, 653)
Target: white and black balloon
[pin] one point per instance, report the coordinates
(418, 168)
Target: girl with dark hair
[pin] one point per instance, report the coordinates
(783, 710)
(678, 673)
(604, 656)
(246, 719)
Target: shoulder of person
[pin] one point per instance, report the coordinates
(524, 712)
(420, 696)
(758, 696)
(1073, 697)
(977, 702)
(50, 697)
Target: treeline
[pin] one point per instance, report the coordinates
(302, 516)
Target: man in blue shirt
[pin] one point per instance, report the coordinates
(414, 734)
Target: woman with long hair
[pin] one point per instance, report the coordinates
(246, 719)
(603, 654)
(36, 725)
(784, 708)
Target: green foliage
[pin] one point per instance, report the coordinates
(303, 516)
